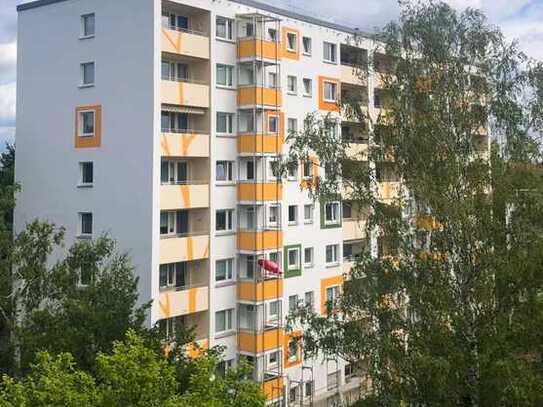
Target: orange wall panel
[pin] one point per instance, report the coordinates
(323, 104)
(266, 290)
(260, 192)
(267, 240)
(89, 142)
(294, 55)
(261, 342)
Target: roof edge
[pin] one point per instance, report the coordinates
(36, 3)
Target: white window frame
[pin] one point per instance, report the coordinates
(293, 266)
(80, 231)
(309, 50)
(294, 176)
(309, 294)
(334, 48)
(229, 171)
(81, 124)
(294, 80)
(84, 35)
(337, 219)
(304, 164)
(273, 317)
(335, 254)
(229, 29)
(333, 94)
(228, 321)
(292, 125)
(310, 81)
(82, 165)
(229, 124)
(273, 129)
(277, 222)
(295, 221)
(311, 261)
(229, 76)
(293, 35)
(229, 276)
(293, 358)
(312, 211)
(84, 84)
(229, 221)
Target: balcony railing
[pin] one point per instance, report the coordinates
(185, 30)
(183, 287)
(184, 234)
(183, 131)
(185, 182)
(184, 80)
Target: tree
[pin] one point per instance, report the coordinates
(450, 310)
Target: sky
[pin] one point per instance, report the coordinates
(520, 20)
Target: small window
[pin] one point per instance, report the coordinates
(273, 124)
(347, 210)
(332, 383)
(87, 25)
(332, 294)
(274, 309)
(308, 388)
(308, 257)
(250, 170)
(309, 299)
(308, 46)
(224, 28)
(308, 213)
(293, 259)
(223, 320)
(224, 220)
(249, 30)
(86, 173)
(292, 84)
(87, 74)
(292, 40)
(332, 213)
(307, 167)
(292, 350)
(224, 366)
(292, 303)
(86, 123)
(173, 275)
(332, 254)
(225, 75)
(272, 34)
(85, 224)
(273, 215)
(224, 270)
(225, 123)
(292, 214)
(292, 125)
(330, 52)
(308, 87)
(224, 171)
(293, 394)
(330, 92)
(272, 80)
(273, 359)
(292, 172)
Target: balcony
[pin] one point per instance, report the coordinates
(188, 195)
(184, 143)
(273, 388)
(187, 300)
(260, 291)
(353, 76)
(260, 96)
(184, 93)
(260, 240)
(185, 42)
(194, 246)
(354, 229)
(258, 342)
(250, 144)
(251, 192)
(249, 48)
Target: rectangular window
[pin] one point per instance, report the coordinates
(87, 74)
(292, 125)
(225, 28)
(225, 123)
(332, 213)
(293, 259)
(330, 91)
(292, 42)
(347, 210)
(224, 220)
(292, 214)
(308, 46)
(330, 52)
(273, 124)
(250, 170)
(332, 254)
(292, 350)
(224, 366)
(87, 25)
(224, 171)
(273, 215)
(223, 320)
(86, 173)
(309, 299)
(272, 34)
(224, 270)
(86, 123)
(308, 173)
(308, 213)
(308, 257)
(292, 86)
(332, 381)
(308, 388)
(225, 75)
(292, 303)
(292, 172)
(308, 87)
(173, 275)
(85, 224)
(274, 308)
(272, 80)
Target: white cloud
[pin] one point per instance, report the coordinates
(8, 61)
(7, 104)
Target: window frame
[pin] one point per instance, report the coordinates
(295, 221)
(294, 36)
(333, 86)
(229, 29)
(229, 124)
(81, 123)
(228, 221)
(295, 82)
(229, 172)
(335, 254)
(334, 47)
(229, 270)
(312, 262)
(308, 51)
(332, 221)
(84, 34)
(304, 81)
(295, 266)
(229, 72)
(228, 321)
(80, 229)
(277, 222)
(83, 65)
(311, 219)
(82, 165)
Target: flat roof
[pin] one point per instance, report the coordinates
(250, 3)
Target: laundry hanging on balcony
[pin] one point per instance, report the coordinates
(272, 268)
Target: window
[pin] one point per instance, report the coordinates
(331, 213)
(173, 275)
(292, 350)
(87, 74)
(250, 170)
(225, 123)
(274, 309)
(174, 172)
(223, 366)
(86, 173)
(249, 30)
(308, 257)
(224, 220)
(292, 125)
(349, 372)
(272, 79)
(224, 270)
(332, 380)
(275, 257)
(247, 316)
(332, 254)
(292, 42)
(175, 22)
(293, 394)
(86, 123)
(292, 172)
(273, 359)
(292, 214)
(330, 91)
(167, 326)
(293, 259)
(224, 171)
(309, 299)
(347, 251)
(85, 224)
(308, 213)
(273, 124)
(308, 87)
(307, 45)
(330, 52)
(224, 28)
(87, 25)
(272, 34)
(308, 388)
(223, 320)
(250, 266)
(225, 75)
(292, 86)
(307, 169)
(273, 215)
(347, 210)
(292, 303)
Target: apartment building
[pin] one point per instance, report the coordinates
(159, 123)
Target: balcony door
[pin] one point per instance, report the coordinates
(182, 222)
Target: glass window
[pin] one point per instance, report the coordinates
(292, 171)
(309, 299)
(273, 215)
(292, 303)
(308, 173)
(292, 42)
(87, 73)
(330, 52)
(86, 124)
(331, 211)
(225, 75)
(292, 214)
(307, 44)
(332, 294)
(293, 350)
(273, 124)
(308, 87)
(224, 270)
(224, 171)
(225, 123)
(272, 34)
(332, 256)
(85, 223)
(87, 25)
(292, 125)
(224, 220)
(223, 320)
(308, 256)
(330, 91)
(274, 309)
(308, 213)
(87, 176)
(250, 170)
(291, 84)
(332, 383)
(250, 266)
(272, 79)
(224, 28)
(293, 259)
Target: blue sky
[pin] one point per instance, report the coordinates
(518, 19)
